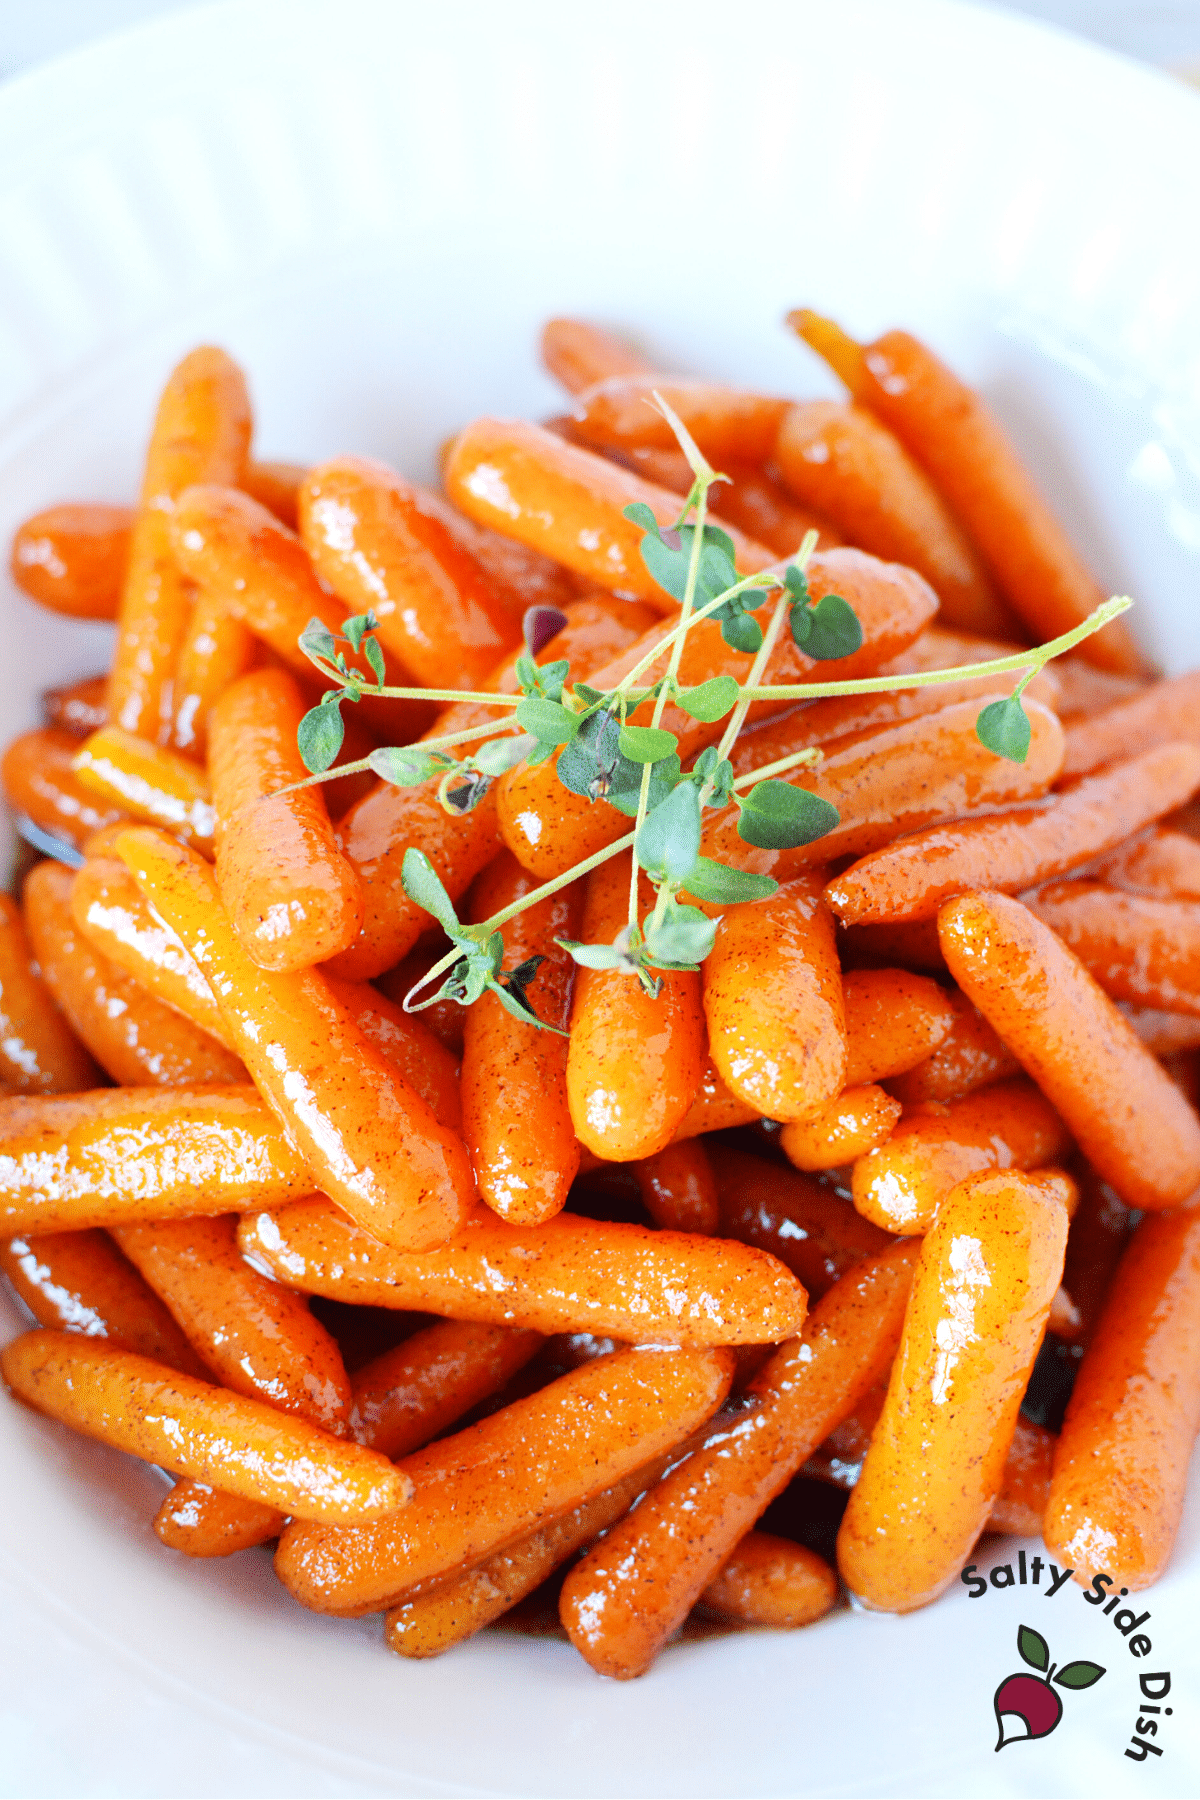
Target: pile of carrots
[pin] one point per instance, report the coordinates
(450, 1306)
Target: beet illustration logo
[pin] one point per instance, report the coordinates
(1028, 1706)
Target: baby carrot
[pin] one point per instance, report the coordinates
(1020, 1505)
(200, 1520)
(216, 649)
(1098, 1237)
(571, 1274)
(409, 1046)
(79, 1281)
(1164, 713)
(237, 552)
(714, 1108)
(679, 1189)
(256, 1337)
(847, 464)
(859, 1120)
(520, 576)
(945, 426)
(149, 783)
(1085, 690)
(773, 1003)
(749, 499)
(898, 780)
(1130, 1121)
(516, 1119)
(497, 1481)
(813, 1230)
(38, 775)
(901, 1186)
(376, 544)
(78, 708)
(1138, 949)
(636, 1587)
(117, 1155)
(567, 502)
(1120, 1468)
(72, 558)
(579, 354)
(894, 1021)
(292, 898)
(201, 433)
(373, 1144)
(414, 1393)
(39, 1053)
(191, 1428)
(772, 1581)
(619, 412)
(275, 485)
(1162, 863)
(1163, 1033)
(138, 1040)
(633, 1063)
(110, 912)
(913, 877)
(984, 1280)
(970, 1056)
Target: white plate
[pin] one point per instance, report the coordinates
(374, 208)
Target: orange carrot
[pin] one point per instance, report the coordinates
(372, 1142)
(72, 558)
(201, 433)
(191, 1428)
(772, 1581)
(216, 649)
(749, 499)
(911, 946)
(276, 486)
(1163, 1033)
(1120, 1468)
(1130, 1121)
(913, 877)
(415, 1392)
(858, 1121)
(634, 1063)
(679, 1190)
(894, 1021)
(1020, 1505)
(714, 1108)
(78, 708)
(1165, 713)
(1138, 949)
(1099, 1234)
(149, 783)
(570, 1274)
(579, 354)
(813, 1230)
(970, 1056)
(619, 412)
(520, 576)
(200, 1520)
(39, 780)
(1162, 863)
(39, 1053)
(984, 1280)
(1086, 690)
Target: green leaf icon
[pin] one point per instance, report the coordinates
(1033, 1647)
(777, 816)
(723, 886)
(1079, 1675)
(319, 736)
(711, 700)
(1003, 728)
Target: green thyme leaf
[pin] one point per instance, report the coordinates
(318, 642)
(356, 629)
(682, 939)
(374, 656)
(1003, 728)
(711, 700)
(777, 816)
(646, 744)
(706, 769)
(405, 765)
(625, 784)
(597, 956)
(424, 889)
(668, 841)
(500, 754)
(547, 720)
(722, 886)
(741, 632)
(319, 735)
(835, 631)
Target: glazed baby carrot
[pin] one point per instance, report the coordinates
(191, 1428)
(79, 1281)
(842, 461)
(149, 783)
(911, 878)
(497, 1481)
(412, 1050)
(137, 1039)
(898, 780)
(1020, 1505)
(548, 828)
(39, 1053)
(78, 708)
(373, 1144)
(714, 1108)
(984, 1280)
(127, 1154)
(772, 1581)
(520, 576)
(1120, 1468)
(749, 499)
(579, 354)
(291, 896)
(255, 1337)
(619, 412)
(377, 831)
(1085, 690)
(201, 433)
(1162, 863)
(376, 544)
(39, 780)
(1130, 1121)
(216, 649)
(859, 1120)
(416, 1392)
(567, 502)
(894, 1021)
(275, 485)
(200, 1520)
(970, 1056)
(901, 1186)
(72, 558)
(238, 552)
(773, 1003)
(1165, 713)
(1099, 1234)
(1163, 1033)
(1138, 949)
(629, 1594)
(570, 1274)
(813, 1230)
(633, 1063)
(947, 429)
(679, 1189)
(516, 1119)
